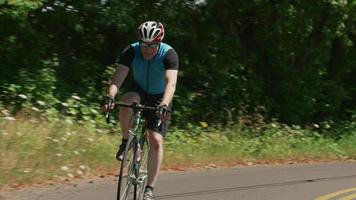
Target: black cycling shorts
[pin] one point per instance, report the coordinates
(151, 117)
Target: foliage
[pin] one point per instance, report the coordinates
(290, 61)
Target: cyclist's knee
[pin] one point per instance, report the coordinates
(129, 97)
(156, 140)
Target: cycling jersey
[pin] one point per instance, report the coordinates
(149, 74)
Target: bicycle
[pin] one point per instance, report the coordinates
(133, 170)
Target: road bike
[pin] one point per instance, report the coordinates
(133, 171)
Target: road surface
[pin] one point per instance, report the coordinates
(289, 182)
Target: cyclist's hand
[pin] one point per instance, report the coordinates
(109, 103)
(163, 111)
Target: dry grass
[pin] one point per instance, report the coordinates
(34, 150)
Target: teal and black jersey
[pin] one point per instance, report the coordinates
(149, 75)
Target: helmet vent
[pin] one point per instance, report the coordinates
(150, 34)
(151, 31)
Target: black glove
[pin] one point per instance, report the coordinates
(109, 103)
(163, 111)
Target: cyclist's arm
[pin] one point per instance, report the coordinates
(122, 70)
(170, 88)
(171, 74)
(118, 79)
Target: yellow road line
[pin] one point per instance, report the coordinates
(331, 195)
(350, 197)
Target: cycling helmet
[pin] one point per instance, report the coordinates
(151, 31)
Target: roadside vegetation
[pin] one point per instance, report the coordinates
(35, 150)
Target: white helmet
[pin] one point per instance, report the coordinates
(151, 31)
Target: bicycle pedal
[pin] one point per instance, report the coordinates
(141, 179)
(133, 180)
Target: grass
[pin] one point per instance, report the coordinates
(273, 143)
(34, 150)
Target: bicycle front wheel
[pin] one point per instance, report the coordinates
(142, 173)
(127, 173)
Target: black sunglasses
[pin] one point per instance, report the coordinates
(145, 45)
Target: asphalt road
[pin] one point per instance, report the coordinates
(335, 181)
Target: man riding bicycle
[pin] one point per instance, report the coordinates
(155, 68)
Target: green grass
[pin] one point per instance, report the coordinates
(34, 150)
(269, 144)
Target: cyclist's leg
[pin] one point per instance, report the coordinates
(155, 157)
(156, 139)
(133, 93)
(125, 114)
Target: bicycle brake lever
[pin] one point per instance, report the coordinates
(108, 109)
(159, 123)
(107, 118)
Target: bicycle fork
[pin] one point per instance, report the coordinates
(135, 177)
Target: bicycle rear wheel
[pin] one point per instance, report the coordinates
(126, 172)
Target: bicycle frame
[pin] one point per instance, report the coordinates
(138, 159)
(138, 142)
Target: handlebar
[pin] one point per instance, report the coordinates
(134, 106)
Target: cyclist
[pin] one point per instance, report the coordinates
(154, 67)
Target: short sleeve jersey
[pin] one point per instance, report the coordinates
(150, 74)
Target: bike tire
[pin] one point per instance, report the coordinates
(126, 171)
(143, 172)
